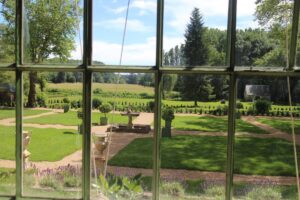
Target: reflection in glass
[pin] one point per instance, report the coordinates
(52, 32)
(52, 135)
(7, 31)
(263, 33)
(7, 133)
(122, 136)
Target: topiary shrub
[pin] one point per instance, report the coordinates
(168, 116)
(262, 106)
(151, 105)
(66, 100)
(96, 103)
(105, 108)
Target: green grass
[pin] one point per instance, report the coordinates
(252, 155)
(70, 118)
(281, 124)
(212, 124)
(45, 144)
(10, 113)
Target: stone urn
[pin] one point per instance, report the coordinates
(100, 145)
(26, 153)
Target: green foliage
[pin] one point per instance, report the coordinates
(50, 182)
(96, 103)
(168, 114)
(174, 189)
(264, 193)
(41, 99)
(66, 100)
(105, 108)
(239, 105)
(115, 187)
(262, 106)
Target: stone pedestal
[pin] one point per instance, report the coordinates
(101, 144)
(26, 153)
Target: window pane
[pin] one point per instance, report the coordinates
(195, 33)
(193, 144)
(140, 37)
(7, 133)
(7, 31)
(53, 32)
(52, 139)
(264, 158)
(263, 33)
(122, 135)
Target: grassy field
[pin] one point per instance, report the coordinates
(45, 144)
(281, 124)
(10, 113)
(70, 118)
(212, 124)
(253, 156)
(106, 87)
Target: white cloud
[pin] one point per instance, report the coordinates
(178, 11)
(132, 24)
(133, 54)
(143, 6)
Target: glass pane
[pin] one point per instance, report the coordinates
(7, 31)
(264, 158)
(122, 136)
(194, 137)
(195, 33)
(53, 32)
(7, 133)
(52, 139)
(263, 33)
(140, 35)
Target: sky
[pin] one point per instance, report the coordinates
(140, 40)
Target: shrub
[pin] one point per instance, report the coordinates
(41, 100)
(105, 108)
(168, 114)
(66, 100)
(97, 91)
(262, 106)
(223, 101)
(172, 189)
(72, 181)
(239, 105)
(151, 105)
(51, 182)
(250, 111)
(74, 104)
(96, 103)
(264, 193)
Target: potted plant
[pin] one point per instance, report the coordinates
(105, 108)
(168, 116)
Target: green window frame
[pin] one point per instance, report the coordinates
(87, 68)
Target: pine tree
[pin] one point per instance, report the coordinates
(195, 87)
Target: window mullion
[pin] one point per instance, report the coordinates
(87, 90)
(231, 37)
(157, 110)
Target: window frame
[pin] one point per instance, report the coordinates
(87, 68)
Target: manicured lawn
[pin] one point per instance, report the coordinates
(252, 155)
(212, 124)
(70, 118)
(281, 124)
(45, 144)
(10, 113)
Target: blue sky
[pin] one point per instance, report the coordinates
(139, 49)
